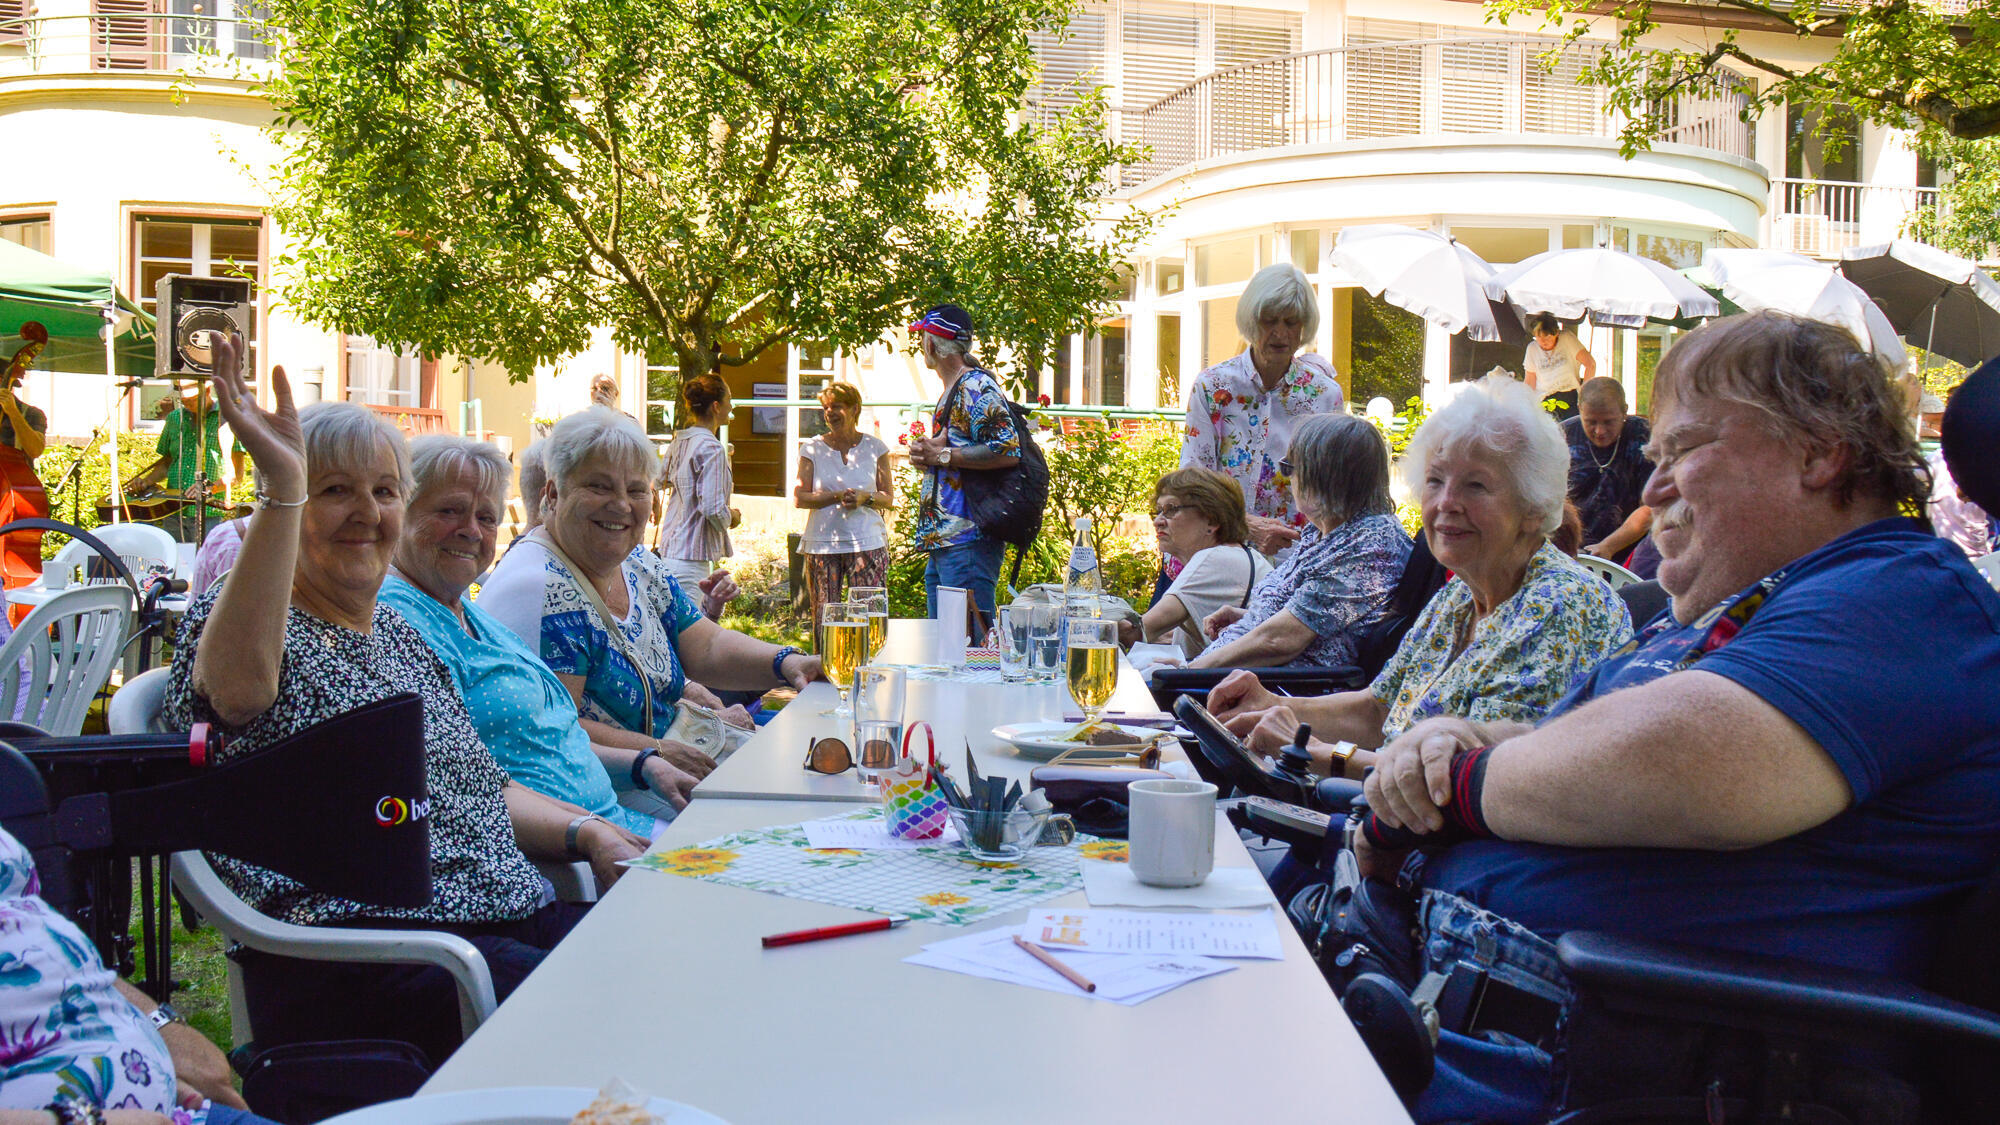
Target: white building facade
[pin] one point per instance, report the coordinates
(142, 149)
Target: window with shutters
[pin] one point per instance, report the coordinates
(31, 231)
(125, 36)
(1385, 83)
(1072, 63)
(1158, 48)
(379, 375)
(1253, 105)
(13, 17)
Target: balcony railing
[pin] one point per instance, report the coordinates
(412, 420)
(1418, 88)
(1821, 218)
(137, 42)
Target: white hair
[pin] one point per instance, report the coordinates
(345, 435)
(1278, 289)
(1504, 420)
(534, 474)
(435, 458)
(597, 430)
(942, 347)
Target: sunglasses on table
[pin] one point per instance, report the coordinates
(832, 756)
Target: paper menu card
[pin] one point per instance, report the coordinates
(950, 635)
(1253, 935)
(1122, 979)
(839, 832)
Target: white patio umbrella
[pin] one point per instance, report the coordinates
(1421, 271)
(1609, 286)
(1944, 301)
(1793, 283)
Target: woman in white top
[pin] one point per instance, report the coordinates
(694, 533)
(1199, 518)
(844, 482)
(1556, 364)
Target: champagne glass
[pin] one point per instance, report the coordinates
(876, 599)
(1093, 663)
(843, 646)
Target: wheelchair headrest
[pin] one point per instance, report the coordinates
(342, 807)
(1971, 436)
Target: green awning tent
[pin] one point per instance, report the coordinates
(72, 304)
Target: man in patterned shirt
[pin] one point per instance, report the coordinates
(971, 431)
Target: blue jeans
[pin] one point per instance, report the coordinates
(972, 566)
(1493, 1079)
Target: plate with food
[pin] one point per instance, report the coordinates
(530, 1105)
(1045, 740)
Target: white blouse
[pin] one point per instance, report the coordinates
(834, 530)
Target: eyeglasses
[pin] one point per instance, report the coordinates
(1285, 466)
(828, 756)
(1168, 511)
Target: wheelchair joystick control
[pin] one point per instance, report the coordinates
(1295, 765)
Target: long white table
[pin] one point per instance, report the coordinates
(771, 764)
(666, 986)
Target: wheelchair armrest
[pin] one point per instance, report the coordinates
(1755, 991)
(243, 923)
(1336, 795)
(1169, 684)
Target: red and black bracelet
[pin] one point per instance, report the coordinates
(1464, 816)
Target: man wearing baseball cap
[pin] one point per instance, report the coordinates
(971, 431)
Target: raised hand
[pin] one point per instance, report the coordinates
(273, 438)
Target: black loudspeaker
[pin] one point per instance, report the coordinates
(191, 311)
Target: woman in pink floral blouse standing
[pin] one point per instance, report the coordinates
(1241, 411)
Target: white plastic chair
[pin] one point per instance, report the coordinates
(140, 546)
(1610, 571)
(1989, 565)
(69, 644)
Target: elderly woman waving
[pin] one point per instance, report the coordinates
(1315, 604)
(294, 635)
(617, 628)
(524, 713)
(1517, 624)
(1241, 412)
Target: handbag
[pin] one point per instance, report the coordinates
(692, 724)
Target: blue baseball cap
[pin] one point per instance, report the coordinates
(947, 321)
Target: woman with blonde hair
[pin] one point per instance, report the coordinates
(844, 482)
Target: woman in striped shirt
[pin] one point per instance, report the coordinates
(694, 533)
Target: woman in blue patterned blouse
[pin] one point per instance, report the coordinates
(1517, 624)
(1314, 605)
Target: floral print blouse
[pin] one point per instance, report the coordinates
(1337, 584)
(973, 411)
(64, 1027)
(1518, 662)
(1235, 427)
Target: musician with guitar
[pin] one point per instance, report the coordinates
(190, 449)
(23, 431)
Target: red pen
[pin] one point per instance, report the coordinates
(797, 937)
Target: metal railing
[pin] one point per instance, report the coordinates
(138, 43)
(1426, 87)
(1820, 218)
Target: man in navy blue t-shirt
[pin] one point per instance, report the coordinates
(1801, 757)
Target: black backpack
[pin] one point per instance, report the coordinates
(1007, 504)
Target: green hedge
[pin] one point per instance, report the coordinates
(77, 502)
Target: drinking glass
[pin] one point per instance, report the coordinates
(878, 699)
(1045, 646)
(877, 739)
(876, 599)
(843, 646)
(1017, 652)
(1093, 663)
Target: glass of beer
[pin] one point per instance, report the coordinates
(843, 646)
(876, 599)
(1093, 663)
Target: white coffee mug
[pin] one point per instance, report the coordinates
(1172, 837)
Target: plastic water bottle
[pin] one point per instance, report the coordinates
(1083, 581)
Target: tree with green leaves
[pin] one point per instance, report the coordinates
(1923, 66)
(708, 178)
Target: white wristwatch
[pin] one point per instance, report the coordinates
(944, 456)
(164, 1015)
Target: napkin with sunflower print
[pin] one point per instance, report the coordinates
(940, 883)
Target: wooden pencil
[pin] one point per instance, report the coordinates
(1047, 958)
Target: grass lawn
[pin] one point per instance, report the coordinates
(201, 971)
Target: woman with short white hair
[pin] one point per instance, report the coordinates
(1241, 411)
(569, 584)
(1512, 630)
(524, 714)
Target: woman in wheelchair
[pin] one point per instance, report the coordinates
(1518, 623)
(294, 635)
(1338, 578)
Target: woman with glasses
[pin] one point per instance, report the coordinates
(1199, 520)
(1339, 579)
